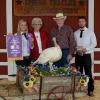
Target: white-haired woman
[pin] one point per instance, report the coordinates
(40, 38)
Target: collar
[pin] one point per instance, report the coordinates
(61, 27)
(37, 32)
(85, 28)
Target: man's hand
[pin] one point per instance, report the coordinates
(69, 57)
(79, 51)
(84, 50)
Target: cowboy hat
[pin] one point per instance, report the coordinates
(60, 16)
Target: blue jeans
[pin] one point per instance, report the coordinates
(63, 61)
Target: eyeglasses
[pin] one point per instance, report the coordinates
(37, 24)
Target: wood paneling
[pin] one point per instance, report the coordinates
(97, 31)
(3, 70)
(97, 77)
(48, 23)
(97, 68)
(97, 20)
(2, 24)
(97, 55)
(3, 57)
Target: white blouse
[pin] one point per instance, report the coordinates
(38, 39)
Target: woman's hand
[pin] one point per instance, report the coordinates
(31, 42)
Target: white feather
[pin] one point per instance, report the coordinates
(52, 54)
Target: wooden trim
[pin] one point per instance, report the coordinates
(3, 63)
(3, 50)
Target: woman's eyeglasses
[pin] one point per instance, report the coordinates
(37, 24)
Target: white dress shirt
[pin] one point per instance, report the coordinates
(87, 41)
(38, 38)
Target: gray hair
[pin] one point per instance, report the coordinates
(37, 20)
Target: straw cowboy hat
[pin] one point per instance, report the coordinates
(60, 16)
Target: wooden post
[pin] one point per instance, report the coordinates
(40, 90)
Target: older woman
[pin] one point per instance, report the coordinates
(40, 38)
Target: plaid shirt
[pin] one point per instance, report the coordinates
(65, 38)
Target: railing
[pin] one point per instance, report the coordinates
(12, 67)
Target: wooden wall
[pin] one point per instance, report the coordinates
(3, 56)
(97, 31)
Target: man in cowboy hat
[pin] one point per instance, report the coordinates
(65, 39)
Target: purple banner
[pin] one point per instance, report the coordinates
(14, 47)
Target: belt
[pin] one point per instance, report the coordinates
(83, 54)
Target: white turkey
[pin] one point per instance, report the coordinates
(50, 55)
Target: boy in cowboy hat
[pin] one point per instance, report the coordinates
(65, 39)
